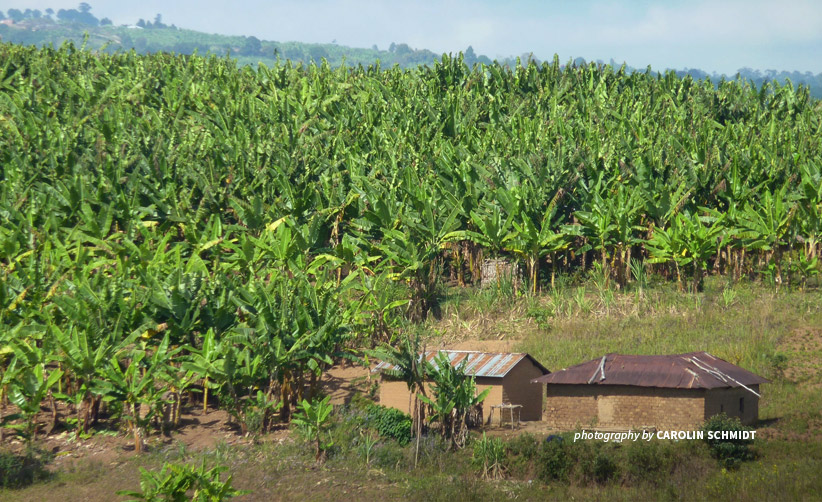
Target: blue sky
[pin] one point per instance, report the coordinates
(713, 35)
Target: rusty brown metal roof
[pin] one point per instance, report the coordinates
(694, 370)
(478, 364)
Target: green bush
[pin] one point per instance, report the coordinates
(554, 462)
(525, 445)
(18, 470)
(729, 452)
(391, 423)
(593, 462)
(522, 455)
(605, 468)
(648, 461)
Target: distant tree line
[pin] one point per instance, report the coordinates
(81, 15)
(398, 53)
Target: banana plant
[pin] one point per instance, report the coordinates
(493, 228)
(667, 245)
(132, 382)
(378, 307)
(689, 240)
(30, 387)
(810, 203)
(533, 242)
(598, 222)
(8, 374)
(702, 235)
(455, 394)
(239, 373)
(313, 420)
(765, 225)
(203, 362)
(84, 361)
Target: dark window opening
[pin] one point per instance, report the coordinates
(722, 408)
(741, 405)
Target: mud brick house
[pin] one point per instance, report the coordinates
(671, 392)
(508, 375)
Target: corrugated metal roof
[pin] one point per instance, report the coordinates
(694, 370)
(478, 364)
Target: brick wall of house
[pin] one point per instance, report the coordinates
(733, 402)
(576, 406)
(518, 389)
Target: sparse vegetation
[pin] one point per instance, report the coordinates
(22, 469)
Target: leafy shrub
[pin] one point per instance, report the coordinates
(490, 456)
(184, 482)
(594, 462)
(605, 469)
(779, 363)
(18, 470)
(554, 461)
(391, 423)
(729, 452)
(648, 461)
(522, 455)
(541, 315)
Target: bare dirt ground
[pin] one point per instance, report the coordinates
(199, 431)
(804, 348)
(341, 382)
(506, 345)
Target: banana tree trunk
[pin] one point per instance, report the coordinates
(54, 416)
(205, 395)
(605, 269)
(698, 270)
(628, 264)
(136, 429)
(96, 401)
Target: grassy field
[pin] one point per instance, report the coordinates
(776, 333)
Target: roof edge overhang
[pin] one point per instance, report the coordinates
(522, 355)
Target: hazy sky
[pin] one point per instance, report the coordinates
(713, 35)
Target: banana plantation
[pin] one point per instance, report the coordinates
(179, 231)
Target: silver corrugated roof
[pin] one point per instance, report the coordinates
(478, 364)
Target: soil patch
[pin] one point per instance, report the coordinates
(804, 350)
(484, 345)
(342, 382)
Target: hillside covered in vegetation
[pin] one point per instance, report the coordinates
(33, 27)
(278, 219)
